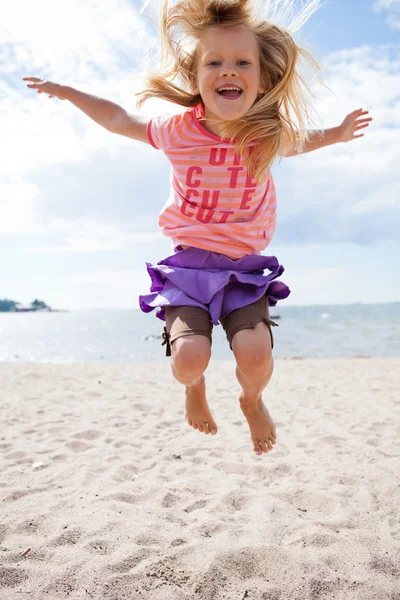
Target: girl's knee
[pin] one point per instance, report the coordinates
(256, 363)
(253, 352)
(190, 356)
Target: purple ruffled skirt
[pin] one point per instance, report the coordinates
(212, 281)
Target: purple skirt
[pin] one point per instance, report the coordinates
(212, 281)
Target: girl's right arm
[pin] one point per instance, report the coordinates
(107, 114)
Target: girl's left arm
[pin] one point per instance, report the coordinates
(343, 133)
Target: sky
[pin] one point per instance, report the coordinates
(79, 205)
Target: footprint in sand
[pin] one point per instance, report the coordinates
(196, 506)
(27, 526)
(90, 434)
(18, 494)
(319, 588)
(67, 538)
(232, 468)
(236, 501)
(388, 565)
(119, 444)
(60, 457)
(18, 457)
(127, 498)
(124, 566)
(11, 577)
(78, 446)
(3, 532)
(125, 473)
(169, 500)
(178, 542)
(272, 594)
(101, 547)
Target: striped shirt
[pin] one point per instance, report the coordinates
(214, 204)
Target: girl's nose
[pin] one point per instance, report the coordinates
(228, 70)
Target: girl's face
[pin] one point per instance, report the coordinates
(227, 58)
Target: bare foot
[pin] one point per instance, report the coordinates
(262, 427)
(198, 414)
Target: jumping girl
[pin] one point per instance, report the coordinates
(237, 75)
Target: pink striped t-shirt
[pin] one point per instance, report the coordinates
(213, 204)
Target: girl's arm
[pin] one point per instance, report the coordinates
(344, 133)
(107, 114)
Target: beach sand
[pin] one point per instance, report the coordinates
(118, 498)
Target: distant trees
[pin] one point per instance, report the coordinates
(7, 305)
(39, 304)
(12, 306)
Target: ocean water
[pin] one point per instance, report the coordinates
(356, 330)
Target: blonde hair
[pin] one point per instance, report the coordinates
(277, 119)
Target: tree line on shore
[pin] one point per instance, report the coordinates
(12, 306)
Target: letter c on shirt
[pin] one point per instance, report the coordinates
(191, 171)
(187, 203)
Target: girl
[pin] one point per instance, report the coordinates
(246, 103)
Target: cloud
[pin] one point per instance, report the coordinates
(348, 192)
(391, 9)
(91, 236)
(93, 45)
(84, 190)
(17, 208)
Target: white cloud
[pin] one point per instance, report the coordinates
(76, 39)
(90, 236)
(117, 289)
(93, 45)
(349, 191)
(391, 8)
(18, 208)
(89, 44)
(74, 188)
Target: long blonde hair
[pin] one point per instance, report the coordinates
(277, 119)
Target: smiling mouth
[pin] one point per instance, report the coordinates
(229, 91)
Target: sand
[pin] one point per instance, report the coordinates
(118, 498)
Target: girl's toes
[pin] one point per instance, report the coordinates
(268, 444)
(200, 428)
(257, 448)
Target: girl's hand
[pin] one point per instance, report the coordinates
(353, 123)
(47, 87)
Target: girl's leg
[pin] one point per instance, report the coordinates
(189, 335)
(190, 358)
(253, 352)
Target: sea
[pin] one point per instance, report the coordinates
(112, 336)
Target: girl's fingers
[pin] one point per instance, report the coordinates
(359, 112)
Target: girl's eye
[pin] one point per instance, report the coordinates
(215, 63)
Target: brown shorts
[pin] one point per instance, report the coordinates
(191, 320)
